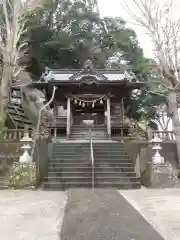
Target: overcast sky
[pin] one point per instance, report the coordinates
(113, 8)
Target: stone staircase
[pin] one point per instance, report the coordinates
(82, 133)
(15, 111)
(113, 167)
(17, 115)
(70, 166)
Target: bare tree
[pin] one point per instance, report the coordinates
(158, 20)
(12, 28)
(161, 118)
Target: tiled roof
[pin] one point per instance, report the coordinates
(99, 74)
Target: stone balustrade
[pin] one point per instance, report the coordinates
(12, 134)
(164, 135)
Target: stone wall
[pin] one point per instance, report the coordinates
(43, 147)
(9, 152)
(169, 152)
(140, 153)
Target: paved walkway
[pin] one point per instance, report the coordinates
(38, 215)
(160, 207)
(31, 215)
(103, 215)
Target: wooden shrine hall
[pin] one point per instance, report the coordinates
(87, 94)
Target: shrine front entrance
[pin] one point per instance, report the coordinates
(88, 112)
(86, 107)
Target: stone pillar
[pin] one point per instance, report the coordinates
(109, 117)
(68, 116)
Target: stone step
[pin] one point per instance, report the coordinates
(70, 169)
(78, 150)
(109, 155)
(87, 138)
(65, 154)
(89, 168)
(114, 170)
(73, 149)
(61, 179)
(59, 186)
(63, 173)
(106, 150)
(113, 148)
(70, 161)
(114, 174)
(95, 135)
(67, 144)
(113, 143)
(87, 179)
(89, 163)
(95, 132)
(112, 164)
(119, 185)
(70, 174)
(86, 130)
(122, 179)
(75, 159)
(73, 165)
(108, 144)
(103, 145)
(64, 186)
(88, 157)
(72, 145)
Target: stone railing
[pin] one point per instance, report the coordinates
(12, 134)
(164, 135)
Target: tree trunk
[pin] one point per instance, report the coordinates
(172, 100)
(2, 113)
(5, 88)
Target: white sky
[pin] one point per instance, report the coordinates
(113, 8)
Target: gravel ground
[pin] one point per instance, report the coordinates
(31, 215)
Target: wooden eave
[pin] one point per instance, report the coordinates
(71, 83)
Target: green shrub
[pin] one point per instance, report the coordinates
(22, 175)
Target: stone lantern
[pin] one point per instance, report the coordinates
(26, 158)
(157, 158)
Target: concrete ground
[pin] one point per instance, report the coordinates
(38, 215)
(31, 215)
(161, 208)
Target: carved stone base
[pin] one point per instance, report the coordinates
(164, 176)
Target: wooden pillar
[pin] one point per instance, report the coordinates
(55, 120)
(68, 117)
(122, 109)
(109, 117)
